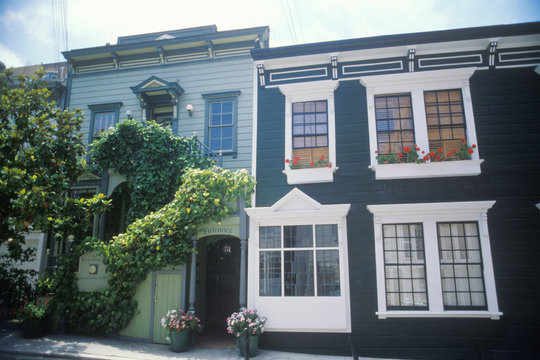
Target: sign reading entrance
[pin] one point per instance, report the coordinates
(228, 226)
(91, 275)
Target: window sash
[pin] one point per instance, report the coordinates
(221, 126)
(405, 267)
(394, 123)
(445, 119)
(102, 122)
(461, 266)
(308, 258)
(310, 124)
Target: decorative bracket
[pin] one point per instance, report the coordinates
(412, 53)
(260, 71)
(334, 67)
(492, 51)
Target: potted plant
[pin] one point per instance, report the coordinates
(181, 326)
(34, 317)
(249, 320)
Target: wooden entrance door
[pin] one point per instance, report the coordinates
(222, 281)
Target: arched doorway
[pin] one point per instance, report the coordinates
(115, 217)
(219, 270)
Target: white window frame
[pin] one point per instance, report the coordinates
(300, 313)
(415, 83)
(429, 214)
(302, 92)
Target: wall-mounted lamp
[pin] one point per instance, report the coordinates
(128, 114)
(189, 109)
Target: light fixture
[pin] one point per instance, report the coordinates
(128, 114)
(189, 109)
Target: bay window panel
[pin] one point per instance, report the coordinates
(298, 236)
(298, 273)
(270, 273)
(269, 237)
(328, 281)
(326, 235)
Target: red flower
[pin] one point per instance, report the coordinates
(426, 158)
(322, 157)
(449, 154)
(330, 165)
(287, 161)
(463, 140)
(400, 154)
(422, 152)
(473, 146)
(415, 145)
(295, 162)
(406, 149)
(376, 152)
(439, 150)
(46, 303)
(297, 158)
(454, 151)
(311, 164)
(438, 158)
(470, 151)
(417, 149)
(431, 154)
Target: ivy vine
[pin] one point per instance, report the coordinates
(160, 239)
(153, 160)
(174, 189)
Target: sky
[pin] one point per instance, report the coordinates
(36, 31)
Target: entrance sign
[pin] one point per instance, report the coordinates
(91, 275)
(228, 226)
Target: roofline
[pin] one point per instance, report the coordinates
(115, 47)
(397, 40)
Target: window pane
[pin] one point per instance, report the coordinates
(298, 236)
(461, 266)
(103, 121)
(393, 116)
(328, 282)
(270, 273)
(326, 235)
(310, 118)
(445, 117)
(269, 237)
(298, 272)
(220, 130)
(403, 247)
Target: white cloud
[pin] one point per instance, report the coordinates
(10, 57)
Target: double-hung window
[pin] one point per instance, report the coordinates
(310, 132)
(310, 140)
(430, 111)
(221, 119)
(103, 117)
(434, 260)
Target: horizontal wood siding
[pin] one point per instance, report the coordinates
(196, 78)
(507, 111)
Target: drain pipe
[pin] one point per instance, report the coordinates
(353, 347)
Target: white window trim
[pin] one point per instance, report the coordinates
(415, 83)
(312, 91)
(429, 214)
(291, 313)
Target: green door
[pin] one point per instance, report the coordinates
(166, 296)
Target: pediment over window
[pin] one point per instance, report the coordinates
(297, 204)
(155, 90)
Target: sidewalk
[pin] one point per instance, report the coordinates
(56, 346)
